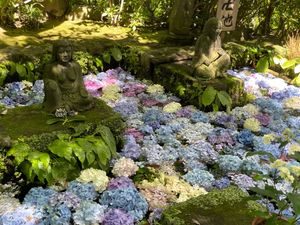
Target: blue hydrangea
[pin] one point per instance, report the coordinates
(39, 196)
(229, 163)
(270, 106)
(117, 217)
(126, 107)
(127, 199)
(58, 215)
(259, 145)
(199, 117)
(245, 137)
(85, 191)
(202, 151)
(89, 213)
(22, 215)
(153, 116)
(251, 164)
(200, 178)
(222, 183)
(131, 148)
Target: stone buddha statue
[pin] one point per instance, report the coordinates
(63, 83)
(210, 60)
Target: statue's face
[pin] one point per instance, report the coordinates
(64, 54)
(216, 31)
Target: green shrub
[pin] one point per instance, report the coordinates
(66, 155)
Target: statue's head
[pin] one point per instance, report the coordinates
(62, 51)
(212, 28)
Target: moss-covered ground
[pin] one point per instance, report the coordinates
(227, 207)
(88, 35)
(32, 120)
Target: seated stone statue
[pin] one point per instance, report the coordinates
(210, 60)
(63, 83)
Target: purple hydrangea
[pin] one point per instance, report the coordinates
(220, 138)
(68, 198)
(126, 107)
(263, 118)
(117, 217)
(120, 182)
(131, 148)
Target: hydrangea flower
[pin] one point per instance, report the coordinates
(127, 199)
(67, 198)
(292, 103)
(155, 88)
(131, 148)
(22, 215)
(192, 133)
(39, 196)
(8, 204)
(156, 197)
(89, 213)
(131, 89)
(229, 163)
(245, 137)
(221, 183)
(58, 215)
(200, 178)
(97, 177)
(242, 181)
(221, 138)
(172, 107)
(111, 93)
(124, 167)
(126, 107)
(252, 124)
(85, 191)
(199, 117)
(120, 182)
(117, 217)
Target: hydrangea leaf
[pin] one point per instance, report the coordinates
(20, 151)
(208, 96)
(102, 151)
(78, 151)
(262, 65)
(224, 98)
(106, 57)
(21, 70)
(61, 148)
(295, 200)
(116, 53)
(288, 64)
(108, 138)
(42, 159)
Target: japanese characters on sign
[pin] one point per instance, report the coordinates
(227, 13)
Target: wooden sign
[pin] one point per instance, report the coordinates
(227, 13)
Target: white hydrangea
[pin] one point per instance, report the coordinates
(97, 177)
(124, 167)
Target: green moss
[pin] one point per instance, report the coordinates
(31, 120)
(227, 207)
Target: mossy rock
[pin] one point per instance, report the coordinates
(32, 120)
(227, 207)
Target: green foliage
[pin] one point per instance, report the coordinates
(216, 98)
(88, 62)
(31, 15)
(66, 155)
(131, 59)
(144, 173)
